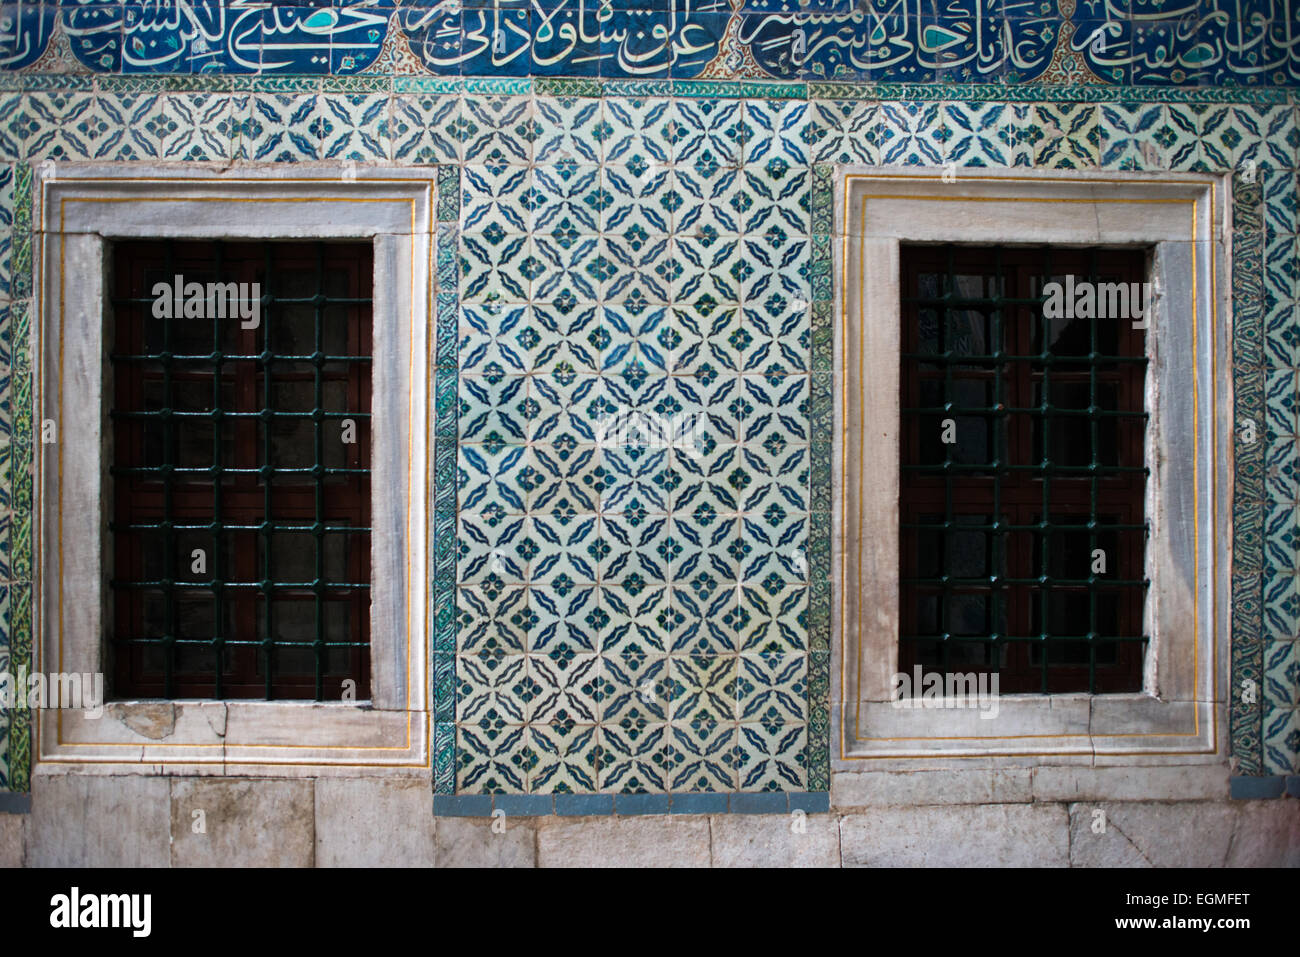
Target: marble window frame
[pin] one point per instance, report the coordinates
(1180, 716)
(78, 209)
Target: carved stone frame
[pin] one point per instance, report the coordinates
(1180, 716)
(79, 208)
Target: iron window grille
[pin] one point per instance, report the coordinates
(1042, 473)
(241, 511)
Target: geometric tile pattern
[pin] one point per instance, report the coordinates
(633, 477)
(632, 385)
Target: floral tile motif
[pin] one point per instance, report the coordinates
(355, 127)
(1281, 732)
(280, 128)
(634, 355)
(1235, 136)
(499, 126)
(837, 132)
(427, 129)
(1064, 135)
(989, 134)
(911, 134)
(1135, 136)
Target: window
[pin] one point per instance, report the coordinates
(334, 534)
(1022, 479)
(1007, 447)
(241, 442)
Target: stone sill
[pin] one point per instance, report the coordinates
(592, 805)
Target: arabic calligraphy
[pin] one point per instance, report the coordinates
(1187, 41)
(1232, 42)
(234, 36)
(24, 31)
(567, 37)
(905, 40)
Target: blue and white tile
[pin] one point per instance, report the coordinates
(636, 129)
(502, 126)
(571, 129)
(840, 131)
(910, 133)
(427, 128)
(777, 129)
(717, 126)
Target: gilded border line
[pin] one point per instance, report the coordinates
(1196, 494)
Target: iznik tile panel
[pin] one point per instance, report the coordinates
(635, 440)
(635, 286)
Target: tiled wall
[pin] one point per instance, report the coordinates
(656, 618)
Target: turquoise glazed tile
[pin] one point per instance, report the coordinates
(12, 130)
(1282, 674)
(1281, 598)
(1282, 402)
(570, 757)
(1065, 135)
(776, 129)
(1133, 136)
(774, 753)
(713, 128)
(988, 134)
(912, 134)
(1233, 136)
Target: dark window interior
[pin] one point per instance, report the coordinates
(241, 512)
(1002, 527)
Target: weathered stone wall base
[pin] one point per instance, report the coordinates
(1011, 817)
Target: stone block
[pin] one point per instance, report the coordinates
(246, 822)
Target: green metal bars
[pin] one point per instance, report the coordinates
(241, 469)
(1022, 474)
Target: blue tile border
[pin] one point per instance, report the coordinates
(765, 802)
(698, 803)
(624, 805)
(641, 804)
(462, 805)
(812, 802)
(1293, 785)
(15, 803)
(446, 376)
(1257, 788)
(584, 804)
(524, 805)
